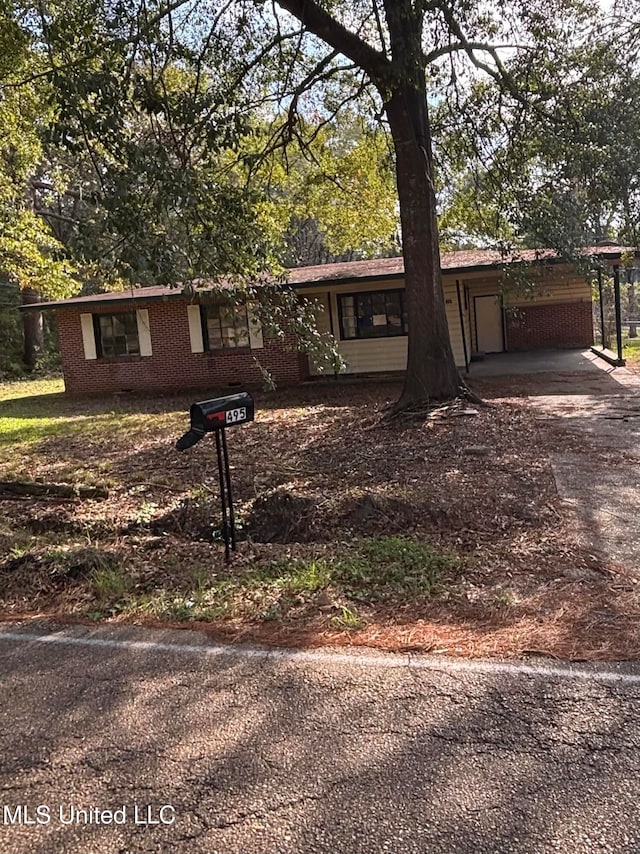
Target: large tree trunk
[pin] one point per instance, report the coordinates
(431, 369)
(33, 331)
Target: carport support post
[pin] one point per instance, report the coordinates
(616, 296)
(603, 334)
(462, 332)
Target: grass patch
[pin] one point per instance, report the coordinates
(32, 410)
(111, 589)
(394, 566)
(377, 570)
(348, 620)
(38, 420)
(29, 410)
(109, 583)
(296, 577)
(23, 389)
(631, 349)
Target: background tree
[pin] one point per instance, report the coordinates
(147, 115)
(567, 182)
(32, 261)
(329, 194)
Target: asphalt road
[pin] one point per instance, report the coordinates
(312, 753)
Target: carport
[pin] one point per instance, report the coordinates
(616, 309)
(533, 362)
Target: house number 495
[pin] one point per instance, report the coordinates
(236, 415)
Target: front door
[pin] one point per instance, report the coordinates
(489, 329)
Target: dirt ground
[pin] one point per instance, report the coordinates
(319, 470)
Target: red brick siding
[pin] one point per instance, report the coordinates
(556, 325)
(173, 366)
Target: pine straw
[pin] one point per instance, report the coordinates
(574, 628)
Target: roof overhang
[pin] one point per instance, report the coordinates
(460, 263)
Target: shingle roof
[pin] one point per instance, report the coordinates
(461, 261)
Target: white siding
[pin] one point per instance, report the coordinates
(321, 302)
(373, 355)
(565, 289)
(453, 319)
(556, 285)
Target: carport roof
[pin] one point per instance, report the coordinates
(459, 262)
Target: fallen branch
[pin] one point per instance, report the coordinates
(61, 490)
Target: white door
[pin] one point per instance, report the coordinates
(489, 330)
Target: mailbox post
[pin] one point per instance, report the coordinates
(214, 416)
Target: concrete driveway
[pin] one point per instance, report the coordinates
(593, 411)
(533, 362)
(124, 740)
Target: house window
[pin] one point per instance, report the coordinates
(227, 327)
(378, 314)
(117, 334)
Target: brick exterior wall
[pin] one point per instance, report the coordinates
(172, 367)
(555, 325)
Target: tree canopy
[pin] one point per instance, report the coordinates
(154, 157)
(30, 255)
(328, 195)
(564, 175)
(167, 140)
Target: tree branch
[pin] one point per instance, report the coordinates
(380, 28)
(163, 11)
(326, 27)
(48, 187)
(47, 214)
(286, 132)
(456, 47)
(498, 71)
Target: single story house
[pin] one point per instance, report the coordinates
(157, 338)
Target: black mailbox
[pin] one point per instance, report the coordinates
(216, 414)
